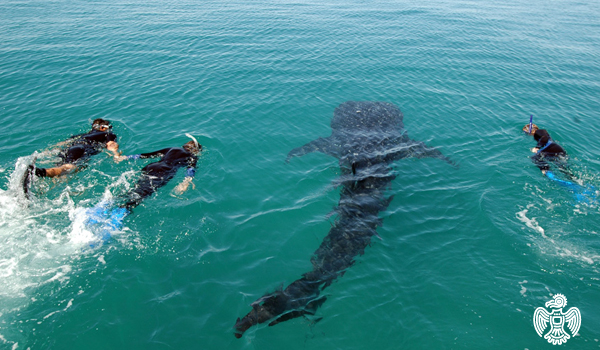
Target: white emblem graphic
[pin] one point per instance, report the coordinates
(557, 318)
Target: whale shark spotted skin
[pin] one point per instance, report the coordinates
(366, 138)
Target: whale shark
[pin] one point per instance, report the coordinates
(367, 138)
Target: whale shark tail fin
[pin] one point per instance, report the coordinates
(322, 145)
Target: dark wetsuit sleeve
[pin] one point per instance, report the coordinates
(158, 153)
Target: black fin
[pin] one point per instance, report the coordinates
(309, 309)
(27, 180)
(321, 145)
(419, 149)
(288, 316)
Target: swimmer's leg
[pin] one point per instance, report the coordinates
(56, 171)
(146, 186)
(72, 156)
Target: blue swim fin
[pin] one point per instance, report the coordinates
(104, 220)
(582, 194)
(114, 222)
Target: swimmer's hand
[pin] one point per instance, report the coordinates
(122, 157)
(183, 186)
(535, 150)
(119, 159)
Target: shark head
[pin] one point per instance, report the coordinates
(366, 134)
(366, 117)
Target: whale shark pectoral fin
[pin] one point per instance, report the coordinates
(419, 149)
(309, 309)
(286, 317)
(323, 145)
(312, 307)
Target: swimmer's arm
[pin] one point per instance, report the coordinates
(185, 184)
(158, 153)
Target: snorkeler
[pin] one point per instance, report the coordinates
(78, 149)
(546, 150)
(154, 175)
(158, 174)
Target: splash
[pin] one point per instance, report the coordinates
(42, 242)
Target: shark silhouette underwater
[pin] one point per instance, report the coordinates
(367, 137)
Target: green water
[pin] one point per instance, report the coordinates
(466, 255)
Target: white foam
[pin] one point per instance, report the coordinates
(79, 233)
(38, 242)
(69, 304)
(523, 289)
(43, 239)
(531, 223)
(557, 246)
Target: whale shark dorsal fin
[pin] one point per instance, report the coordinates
(323, 145)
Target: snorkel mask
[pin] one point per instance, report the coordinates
(100, 126)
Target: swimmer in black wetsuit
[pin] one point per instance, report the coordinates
(154, 176)
(158, 174)
(77, 150)
(81, 147)
(547, 151)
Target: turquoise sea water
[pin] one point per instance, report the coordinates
(466, 255)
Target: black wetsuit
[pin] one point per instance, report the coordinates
(86, 145)
(82, 147)
(549, 151)
(158, 174)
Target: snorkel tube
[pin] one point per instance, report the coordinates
(530, 124)
(193, 139)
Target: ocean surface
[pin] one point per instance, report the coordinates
(465, 255)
